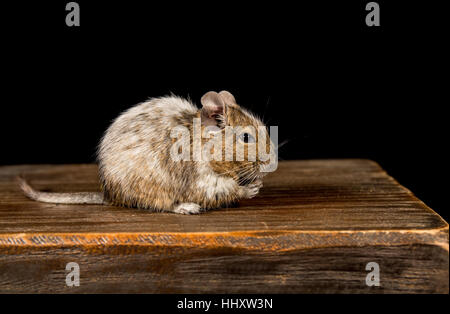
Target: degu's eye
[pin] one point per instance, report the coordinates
(247, 138)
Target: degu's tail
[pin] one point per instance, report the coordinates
(61, 198)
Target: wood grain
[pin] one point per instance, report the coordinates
(313, 228)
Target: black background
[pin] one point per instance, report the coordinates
(335, 87)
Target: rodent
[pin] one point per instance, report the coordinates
(136, 170)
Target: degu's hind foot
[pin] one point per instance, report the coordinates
(187, 209)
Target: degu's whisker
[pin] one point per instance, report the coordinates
(282, 144)
(235, 170)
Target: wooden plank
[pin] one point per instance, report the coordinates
(312, 229)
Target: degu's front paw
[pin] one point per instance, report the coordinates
(187, 209)
(251, 190)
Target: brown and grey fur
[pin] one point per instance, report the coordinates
(136, 170)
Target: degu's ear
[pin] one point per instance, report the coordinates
(227, 97)
(213, 106)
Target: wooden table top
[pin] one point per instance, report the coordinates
(313, 229)
(320, 201)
